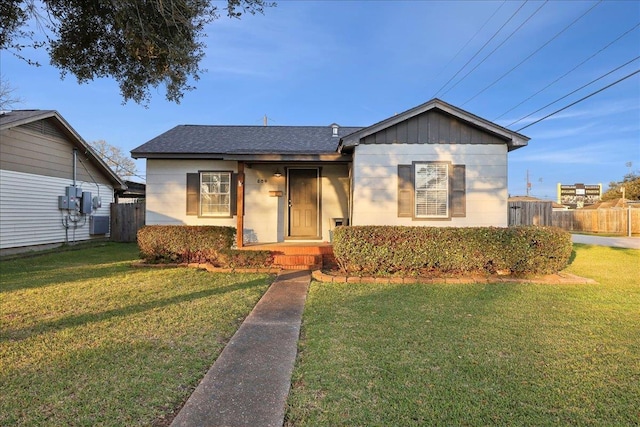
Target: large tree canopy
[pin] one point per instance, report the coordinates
(142, 44)
(631, 184)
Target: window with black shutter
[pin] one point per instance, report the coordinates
(211, 194)
(431, 190)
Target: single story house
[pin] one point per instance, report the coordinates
(433, 165)
(54, 188)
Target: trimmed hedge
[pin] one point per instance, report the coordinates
(197, 244)
(184, 243)
(384, 250)
(246, 259)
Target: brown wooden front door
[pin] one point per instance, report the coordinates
(303, 203)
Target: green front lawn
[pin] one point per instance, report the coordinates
(85, 339)
(474, 355)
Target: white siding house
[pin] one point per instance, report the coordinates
(40, 156)
(375, 175)
(433, 165)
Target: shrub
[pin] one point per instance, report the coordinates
(249, 259)
(197, 244)
(184, 244)
(381, 250)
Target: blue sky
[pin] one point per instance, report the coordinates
(359, 62)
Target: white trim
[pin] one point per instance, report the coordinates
(440, 181)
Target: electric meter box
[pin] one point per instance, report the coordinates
(73, 191)
(85, 203)
(63, 202)
(68, 202)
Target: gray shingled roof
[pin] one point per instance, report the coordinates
(10, 119)
(202, 139)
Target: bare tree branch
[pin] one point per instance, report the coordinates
(8, 97)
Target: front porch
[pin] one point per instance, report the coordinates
(297, 255)
(293, 202)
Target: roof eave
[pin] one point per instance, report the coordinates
(43, 114)
(292, 157)
(516, 143)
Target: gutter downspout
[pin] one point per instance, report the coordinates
(75, 161)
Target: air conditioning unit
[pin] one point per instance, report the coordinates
(99, 224)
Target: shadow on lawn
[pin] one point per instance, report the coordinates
(416, 303)
(43, 276)
(587, 247)
(83, 319)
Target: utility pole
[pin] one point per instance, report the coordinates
(528, 183)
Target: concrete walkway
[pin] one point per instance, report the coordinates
(249, 382)
(615, 242)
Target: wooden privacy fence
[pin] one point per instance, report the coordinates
(609, 220)
(530, 213)
(126, 220)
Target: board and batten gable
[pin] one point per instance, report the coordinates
(432, 127)
(432, 136)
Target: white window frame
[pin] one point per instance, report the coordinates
(431, 189)
(209, 194)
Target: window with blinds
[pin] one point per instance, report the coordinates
(215, 194)
(431, 190)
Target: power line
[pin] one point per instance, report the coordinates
(533, 53)
(480, 50)
(568, 72)
(498, 47)
(576, 90)
(580, 100)
(467, 43)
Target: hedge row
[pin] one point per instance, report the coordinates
(383, 250)
(197, 244)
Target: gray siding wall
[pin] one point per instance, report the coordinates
(432, 127)
(40, 148)
(36, 164)
(29, 214)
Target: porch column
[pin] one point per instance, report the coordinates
(240, 206)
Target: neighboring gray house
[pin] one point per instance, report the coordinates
(41, 158)
(433, 165)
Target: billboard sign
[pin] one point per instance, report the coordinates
(579, 195)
